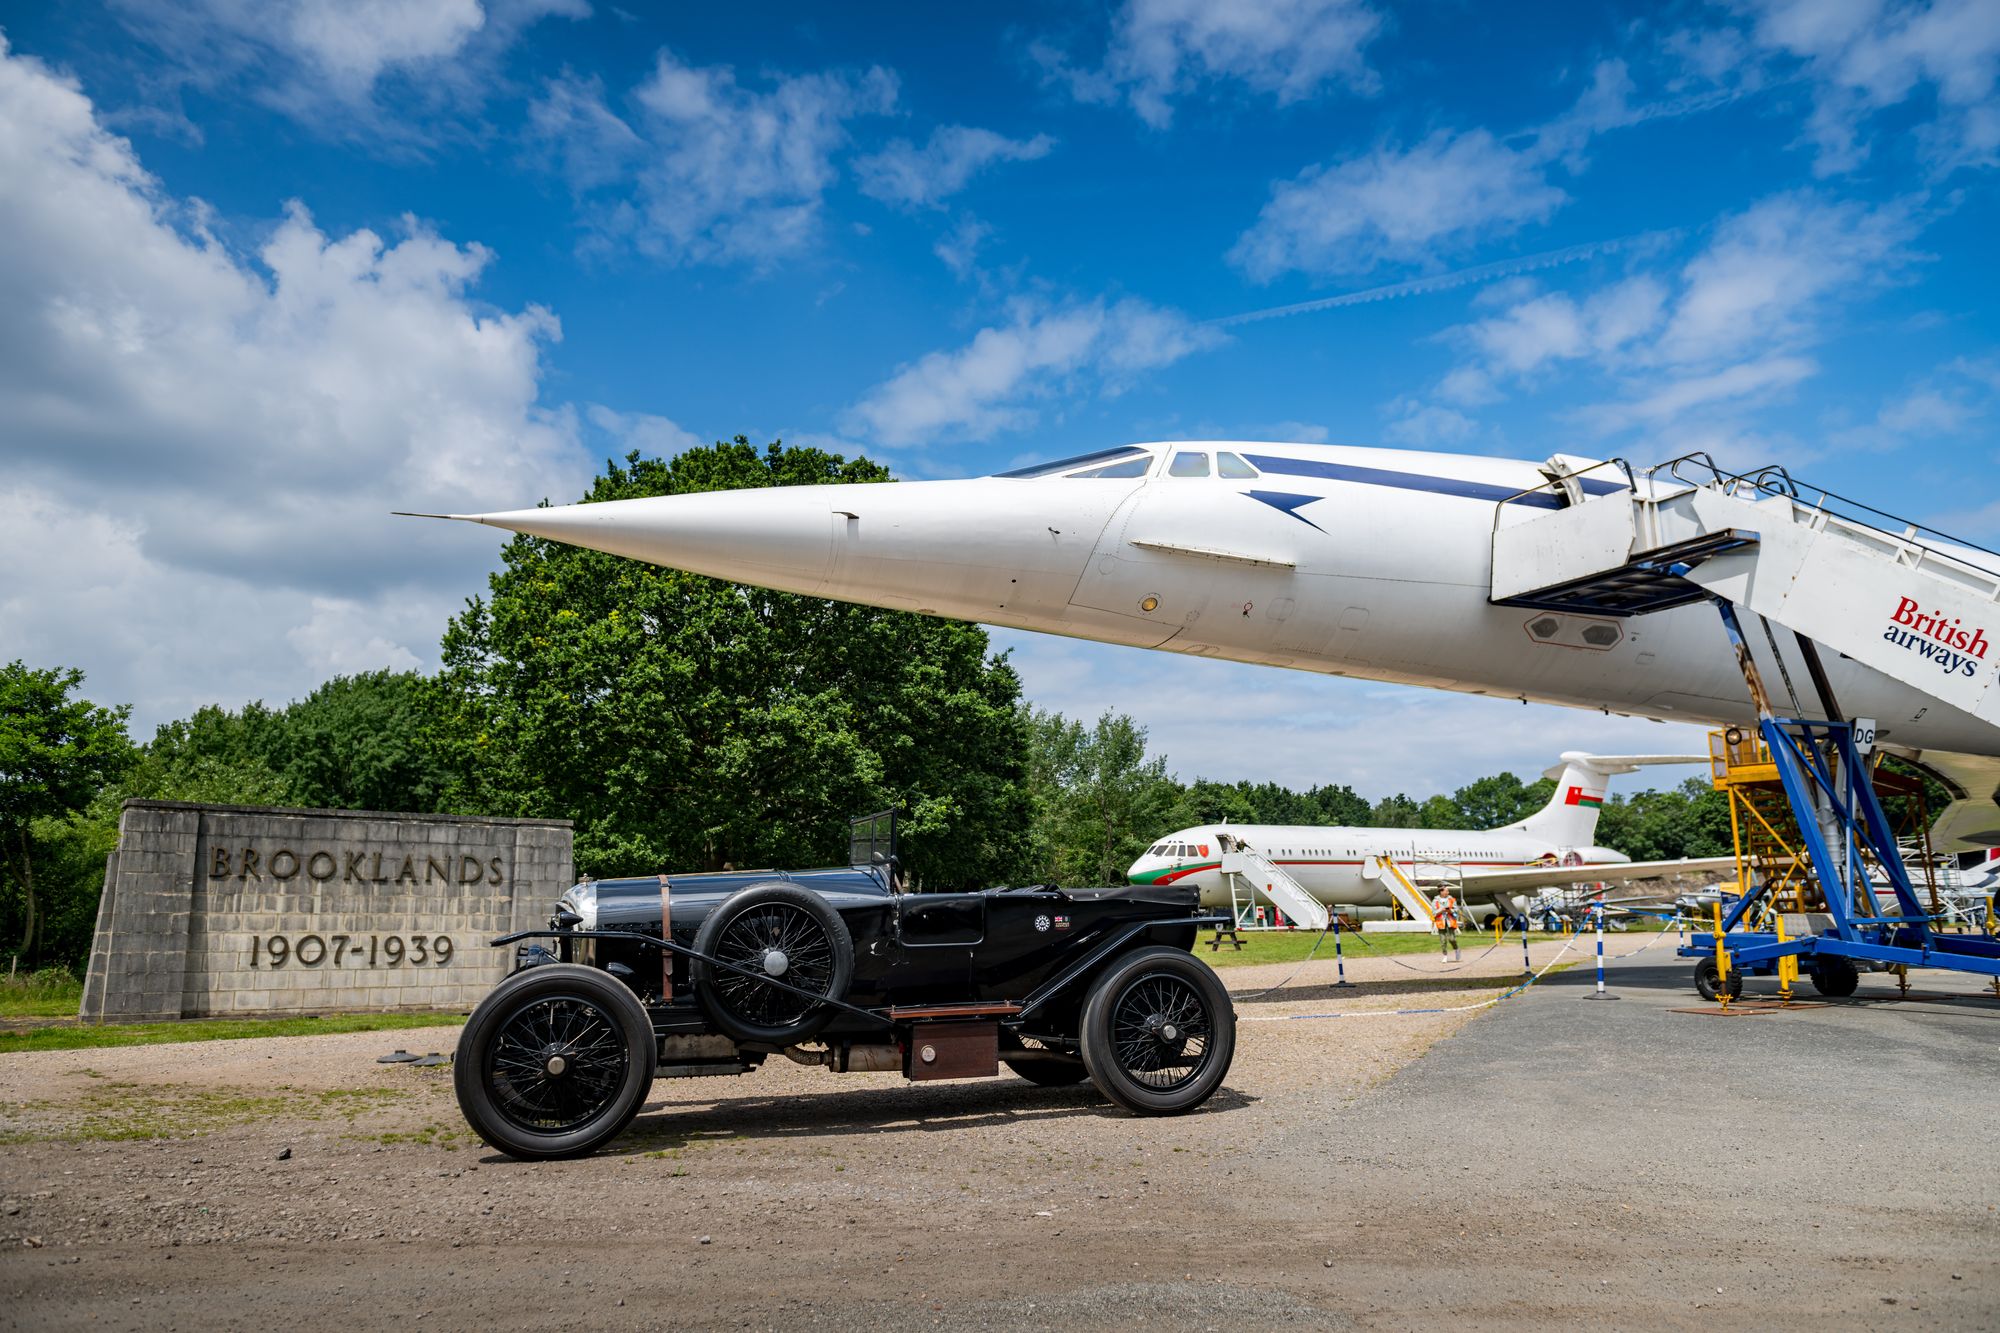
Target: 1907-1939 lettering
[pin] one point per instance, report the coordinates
(351, 950)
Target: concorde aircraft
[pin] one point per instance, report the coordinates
(1343, 866)
(1365, 562)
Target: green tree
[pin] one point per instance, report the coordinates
(1492, 802)
(361, 742)
(687, 722)
(1099, 800)
(56, 752)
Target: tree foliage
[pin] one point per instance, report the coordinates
(682, 721)
(56, 753)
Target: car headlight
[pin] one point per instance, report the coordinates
(582, 900)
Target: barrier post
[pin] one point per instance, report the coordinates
(1527, 963)
(1598, 912)
(1339, 962)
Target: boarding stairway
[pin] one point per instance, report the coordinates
(1912, 603)
(1808, 560)
(1402, 885)
(1245, 868)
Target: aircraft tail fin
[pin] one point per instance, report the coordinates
(1583, 781)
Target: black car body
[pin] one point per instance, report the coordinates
(711, 974)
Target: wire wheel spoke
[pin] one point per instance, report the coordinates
(556, 1064)
(1160, 1031)
(748, 941)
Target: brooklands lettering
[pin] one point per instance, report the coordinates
(1957, 650)
(323, 867)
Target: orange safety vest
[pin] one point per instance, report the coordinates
(1445, 909)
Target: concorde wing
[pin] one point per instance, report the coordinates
(1485, 883)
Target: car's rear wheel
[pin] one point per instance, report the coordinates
(555, 1062)
(772, 933)
(1158, 1032)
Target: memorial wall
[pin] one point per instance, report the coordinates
(213, 910)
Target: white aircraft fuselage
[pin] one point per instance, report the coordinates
(1363, 562)
(1331, 863)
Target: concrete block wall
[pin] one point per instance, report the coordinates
(229, 910)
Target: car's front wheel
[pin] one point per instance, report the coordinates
(1158, 1032)
(555, 1062)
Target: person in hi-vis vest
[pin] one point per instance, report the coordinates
(1445, 912)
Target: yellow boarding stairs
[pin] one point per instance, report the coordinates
(1402, 886)
(1245, 868)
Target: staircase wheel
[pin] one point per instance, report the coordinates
(1708, 980)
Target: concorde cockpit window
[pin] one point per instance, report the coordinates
(1131, 467)
(1124, 452)
(1188, 465)
(1229, 465)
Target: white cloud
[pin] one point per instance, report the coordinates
(1162, 50)
(959, 247)
(249, 421)
(654, 436)
(1746, 381)
(1946, 402)
(1397, 205)
(989, 385)
(570, 123)
(1727, 332)
(903, 173)
(707, 170)
(1427, 425)
(1770, 270)
(1866, 56)
(1538, 330)
(304, 57)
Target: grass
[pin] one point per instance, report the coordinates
(1290, 946)
(78, 1037)
(53, 992)
(118, 1112)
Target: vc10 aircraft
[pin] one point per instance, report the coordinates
(1365, 562)
(1341, 865)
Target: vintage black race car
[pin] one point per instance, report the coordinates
(677, 976)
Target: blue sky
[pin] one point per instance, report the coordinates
(273, 269)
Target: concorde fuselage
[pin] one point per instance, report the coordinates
(1365, 562)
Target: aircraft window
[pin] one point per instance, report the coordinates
(1064, 464)
(1188, 465)
(1229, 465)
(1134, 467)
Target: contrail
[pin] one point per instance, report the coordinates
(1504, 268)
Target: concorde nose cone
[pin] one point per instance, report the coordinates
(778, 538)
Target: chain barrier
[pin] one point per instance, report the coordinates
(1568, 944)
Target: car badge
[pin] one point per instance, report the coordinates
(1062, 923)
(1041, 923)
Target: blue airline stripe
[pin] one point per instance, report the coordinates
(1415, 481)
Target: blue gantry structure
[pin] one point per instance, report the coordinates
(1688, 531)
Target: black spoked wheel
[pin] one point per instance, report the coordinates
(772, 933)
(1158, 1032)
(555, 1062)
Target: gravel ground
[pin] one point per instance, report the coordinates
(1549, 1160)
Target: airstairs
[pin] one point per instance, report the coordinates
(1402, 884)
(1916, 605)
(1250, 871)
(1912, 603)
